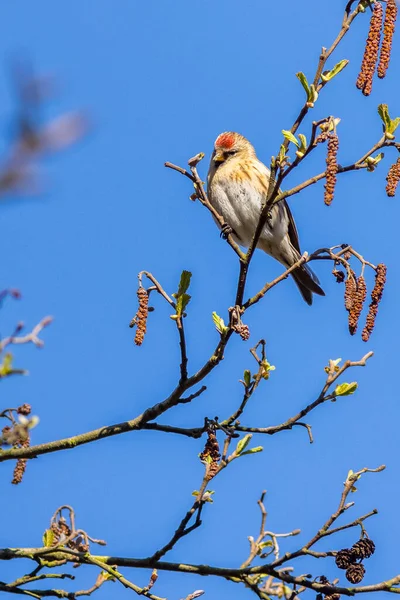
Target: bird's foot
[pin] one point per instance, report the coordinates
(226, 230)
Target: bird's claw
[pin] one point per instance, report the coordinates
(226, 230)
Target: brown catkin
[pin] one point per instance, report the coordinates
(64, 527)
(350, 288)
(24, 409)
(370, 58)
(331, 168)
(393, 178)
(322, 137)
(388, 32)
(141, 316)
(376, 297)
(21, 464)
(357, 305)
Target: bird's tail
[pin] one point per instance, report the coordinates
(305, 278)
(307, 282)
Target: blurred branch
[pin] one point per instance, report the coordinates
(29, 337)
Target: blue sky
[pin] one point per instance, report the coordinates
(160, 81)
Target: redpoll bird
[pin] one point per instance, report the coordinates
(237, 187)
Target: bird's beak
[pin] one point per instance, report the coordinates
(219, 156)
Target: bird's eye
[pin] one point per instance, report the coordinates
(230, 152)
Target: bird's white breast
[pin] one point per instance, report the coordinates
(239, 201)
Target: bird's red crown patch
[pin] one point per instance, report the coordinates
(225, 140)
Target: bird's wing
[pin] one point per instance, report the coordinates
(292, 229)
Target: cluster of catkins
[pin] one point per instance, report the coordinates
(18, 436)
(62, 531)
(373, 44)
(211, 454)
(355, 295)
(351, 559)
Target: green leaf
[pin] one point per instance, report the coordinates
(282, 153)
(303, 146)
(184, 282)
(289, 136)
(372, 161)
(182, 298)
(310, 90)
(6, 367)
(48, 538)
(384, 115)
(253, 450)
(328, 75)
(303, 80)
(247, 377)
(107, 576)
(206, 496)
(219, 323)
(33, 421)
(181, 303)
(267, 368)
(313, 96)
(394, 125)
(243, 443)
(303, 141)
(390, 124)
(346, 389)
(364, 4)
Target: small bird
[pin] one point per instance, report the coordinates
(237, 185)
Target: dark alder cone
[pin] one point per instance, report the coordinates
(364, 548)
(141, 316)
(210, 454)
(388, 32)
(340, 275)
(24, 409)
(64, 527)
(355, 573)
(357, 306)
(370, 58)
(345, 558)
(331, 168)
(393, 178)
(376, 297)
(81, 547)
(332, 597)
